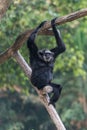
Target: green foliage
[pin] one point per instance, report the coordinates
(8, 116)
(71, 117)
(70, 68)
(19, 112)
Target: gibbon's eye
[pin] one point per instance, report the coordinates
(40, 53)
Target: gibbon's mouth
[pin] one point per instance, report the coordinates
(47, 59)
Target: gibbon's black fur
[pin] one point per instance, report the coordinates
(42, 62)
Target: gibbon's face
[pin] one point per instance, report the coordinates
(46, 55)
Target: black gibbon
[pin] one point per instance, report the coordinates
(42, 62)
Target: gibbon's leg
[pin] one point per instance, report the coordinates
(56, 93)
(54, 90)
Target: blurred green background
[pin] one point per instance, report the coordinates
(20, 108)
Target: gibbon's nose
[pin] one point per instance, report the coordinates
(47, 56)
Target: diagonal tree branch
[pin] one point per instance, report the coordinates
(44, 98)
(23, 37)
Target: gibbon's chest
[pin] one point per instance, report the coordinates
(42, 64)
(41, 72)
(39, 64)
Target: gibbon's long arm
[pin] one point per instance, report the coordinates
(33, 49)
(60, 45)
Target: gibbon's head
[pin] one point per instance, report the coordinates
(46, 55)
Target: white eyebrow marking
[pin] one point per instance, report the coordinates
(47, 51)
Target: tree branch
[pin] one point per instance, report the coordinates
(44, 99)
(4, 4)
(23, 37)
(12, 51)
